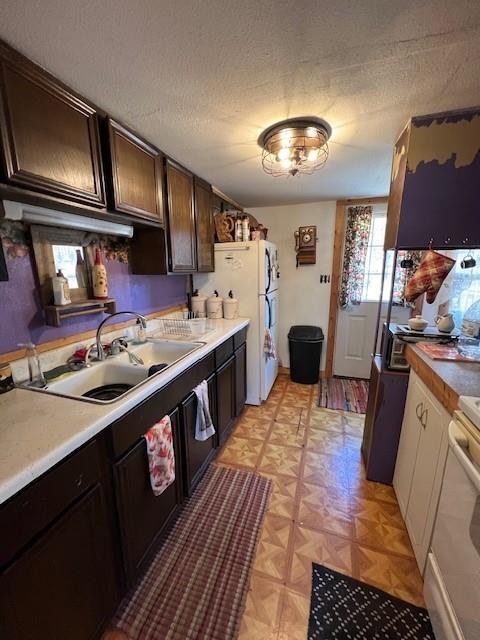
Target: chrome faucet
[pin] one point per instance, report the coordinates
(120, 344)
(100, 350)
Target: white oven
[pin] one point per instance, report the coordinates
(452, 577)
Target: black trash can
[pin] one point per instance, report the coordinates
(305, 346)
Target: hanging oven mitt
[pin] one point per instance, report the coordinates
(429, 276)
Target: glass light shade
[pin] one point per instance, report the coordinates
(295, 146)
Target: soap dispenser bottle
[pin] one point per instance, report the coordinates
(35, 373)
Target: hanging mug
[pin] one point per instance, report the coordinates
(468, 262)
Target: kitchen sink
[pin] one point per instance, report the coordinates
(111, 379)
(158, 351)
(98, 375)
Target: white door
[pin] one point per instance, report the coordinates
(354, 340)
(269, 320)
(355, 335)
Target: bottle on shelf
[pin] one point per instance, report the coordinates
(61, 290)
(99, 276)
(238, 229)
(245, 228)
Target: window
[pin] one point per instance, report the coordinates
(372, 282)
(464, 285)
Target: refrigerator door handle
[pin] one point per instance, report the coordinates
(269, 270)
(269, 312)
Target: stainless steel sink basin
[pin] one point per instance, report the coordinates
(118, 372)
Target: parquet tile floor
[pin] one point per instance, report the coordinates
(322, 509)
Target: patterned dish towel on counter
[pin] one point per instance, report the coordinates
(161, 456)
(269, 345)
(204, 428)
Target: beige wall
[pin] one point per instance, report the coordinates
(303, 300)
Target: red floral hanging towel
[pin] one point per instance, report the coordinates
(429, 276)
(161, 457)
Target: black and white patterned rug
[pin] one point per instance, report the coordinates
(342, 608)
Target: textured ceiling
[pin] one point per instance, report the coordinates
(201, 79)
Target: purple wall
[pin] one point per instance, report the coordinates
(21, 317)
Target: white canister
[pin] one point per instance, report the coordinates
(199, 306)
(215, 306)
(230, 307)
(61, 290)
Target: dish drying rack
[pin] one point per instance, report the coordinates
(183, 328)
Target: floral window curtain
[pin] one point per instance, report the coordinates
(357, 233)
(403, 275)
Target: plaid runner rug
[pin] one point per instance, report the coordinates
(196, 585)
(343, 394)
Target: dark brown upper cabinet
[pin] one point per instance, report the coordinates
(50, 137)
(181, 235)
(204, 224)
(137, 172)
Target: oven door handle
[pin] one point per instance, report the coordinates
(458, 441)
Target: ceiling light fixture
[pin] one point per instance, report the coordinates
(295, 146)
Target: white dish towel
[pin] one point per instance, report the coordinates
(204, 428)
(269, 345)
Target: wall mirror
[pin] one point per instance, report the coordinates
(68, 250)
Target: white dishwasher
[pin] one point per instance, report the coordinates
(452, 577)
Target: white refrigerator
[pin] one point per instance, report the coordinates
(250, 270)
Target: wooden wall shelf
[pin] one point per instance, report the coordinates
(55, 314)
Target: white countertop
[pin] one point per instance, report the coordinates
(38, 430)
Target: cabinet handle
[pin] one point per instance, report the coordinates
(424, 423)
(79, 481)
(419, 411)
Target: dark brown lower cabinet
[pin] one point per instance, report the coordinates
(63, 586)
(197, 454)
(226, 398)
(77, 537)
(240, 378)
(142, 515)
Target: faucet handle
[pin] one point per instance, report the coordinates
(117, 344)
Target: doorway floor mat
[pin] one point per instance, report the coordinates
(343, 394)
(342, 608)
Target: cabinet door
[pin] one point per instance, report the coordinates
(399, 168)
(204, 225)
(197, 454)
(142, 515)
(240, 378)
(226, 398)
(181, 219)
(136, 174)
(427, 477)
(50, 137)
(409, 439)
(64, 585)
